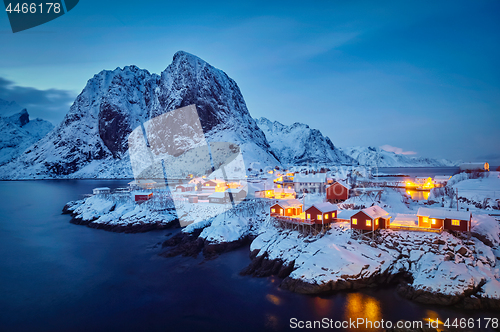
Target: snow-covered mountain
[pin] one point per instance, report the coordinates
(17, 131)
(298, 144)
(92, 140)
(376, 157)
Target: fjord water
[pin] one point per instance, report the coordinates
(56, 276)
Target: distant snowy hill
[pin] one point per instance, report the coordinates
(374, 156)
(18, 132)
(92, 140)
(298, 144)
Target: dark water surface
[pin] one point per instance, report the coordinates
(56, 276)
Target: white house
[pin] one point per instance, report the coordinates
(310, 183)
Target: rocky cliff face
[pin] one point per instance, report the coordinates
(92, 140)
(17, 132)
(298, 144)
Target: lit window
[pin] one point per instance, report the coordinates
(281, 211)
(273, 210)
(320, 217)
(425, 220)
(433, 221)
(455, 222)
(368, 222)
(289, 210)
(326, 216)
(354, 221)
(308, 216)
(376, 222)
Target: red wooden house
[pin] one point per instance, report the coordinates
(289, 207)
(337, 192)
(448, 219)
(370, 219)
(140, 196)
(322, 213)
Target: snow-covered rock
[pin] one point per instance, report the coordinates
(298, 144)
(92, 140)
(377, 157)
(17, 131)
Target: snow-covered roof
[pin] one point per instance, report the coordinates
(342, 183)
(234, 190)
(325, 207)
(135, 193)
(442, 177)
(197, 180)
(443, 214)
(289, 203)
(346, 214)
(375, 212)
(318, 177)
(102, 188)
(218, 194)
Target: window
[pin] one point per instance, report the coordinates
(273, 210)
(281, 211)
(320, 217)
(326, 216)
(308, 216)
(425, 220)
(368, 222)
(289, 210)
(433, 221)
(455, 222)
(354, 221)
(376, 222)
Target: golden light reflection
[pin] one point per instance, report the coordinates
(322, 306)
(273, 299)
(362, 306)
(431, 317)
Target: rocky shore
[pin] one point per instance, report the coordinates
(444, 269)
(121, 217)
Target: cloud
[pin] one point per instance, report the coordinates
(50, 105)
(396, 150)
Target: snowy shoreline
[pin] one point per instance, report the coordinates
(433, 268)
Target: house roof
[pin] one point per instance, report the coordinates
(289, 203)
(102, 188)
(375, 212)
(442, 177)
(325, 207)
(235, 190)
(218, 194)
(342, 183)
(443, 214)
(346, 214)
(318, 177)
(135, 193)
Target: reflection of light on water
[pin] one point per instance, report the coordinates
(431, 317)
(322, 306)
(273, 299)
(272, 321)
(362, 306)
(418, 195)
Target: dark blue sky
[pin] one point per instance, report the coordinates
(422, 76)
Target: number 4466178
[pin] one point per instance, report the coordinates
(34, 8)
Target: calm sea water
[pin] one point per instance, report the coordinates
(56, 276)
